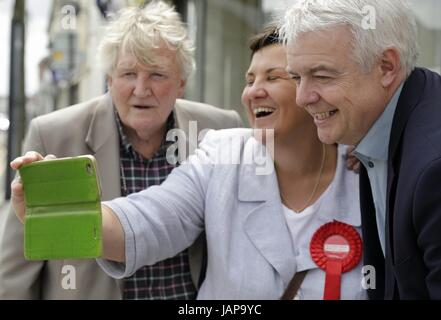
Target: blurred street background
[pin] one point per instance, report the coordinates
(61, 38)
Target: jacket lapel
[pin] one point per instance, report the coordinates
(409, 99)
(265, 224)
(102, 139)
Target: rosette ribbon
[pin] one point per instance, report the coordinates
(336, 248)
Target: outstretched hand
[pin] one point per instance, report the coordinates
(17, 190)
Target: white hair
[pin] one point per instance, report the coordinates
(395, 26)
(139, 30)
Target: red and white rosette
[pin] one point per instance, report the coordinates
(335, 247)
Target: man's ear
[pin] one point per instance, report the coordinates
(181, 89)
(109, 81)
(390, 65)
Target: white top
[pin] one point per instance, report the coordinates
(331, 205)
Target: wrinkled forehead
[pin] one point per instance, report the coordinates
(334, 45)
(161, 58)
(326, 40)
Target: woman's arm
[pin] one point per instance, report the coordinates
(113, 236)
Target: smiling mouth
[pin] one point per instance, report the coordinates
(263, 112)
(320, 116)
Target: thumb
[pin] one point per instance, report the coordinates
(50, 157)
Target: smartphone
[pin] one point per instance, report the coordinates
(63, 209)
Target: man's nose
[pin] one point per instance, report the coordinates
(142, 87)
(306, 94)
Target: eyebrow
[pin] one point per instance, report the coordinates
(324, 68)
(125, 68)
(129, 67)
(267, 71)
(316, 69)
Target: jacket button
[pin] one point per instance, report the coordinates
(371, 164)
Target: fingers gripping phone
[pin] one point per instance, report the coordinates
(63, 209)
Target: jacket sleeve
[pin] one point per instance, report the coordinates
(427, 220)
(161, 221)
(19, 278)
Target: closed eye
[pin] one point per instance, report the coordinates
(249, 82)
(322, 77)
(157, 75)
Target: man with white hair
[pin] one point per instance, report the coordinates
(148, 58)
(354, 63)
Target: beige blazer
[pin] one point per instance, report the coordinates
(87, 128)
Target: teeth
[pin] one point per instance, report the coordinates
(324, 115)
(263, 109)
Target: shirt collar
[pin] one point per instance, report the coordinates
(127, 145)
(372, 145)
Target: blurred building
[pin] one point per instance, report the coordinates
(4, 121)
(4, 104)
(220, 29)
(74, 33)
(429, 32)
(44, 100)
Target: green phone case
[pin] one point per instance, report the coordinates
(63, 209)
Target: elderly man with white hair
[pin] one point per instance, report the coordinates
(355, 66)
(148, 58)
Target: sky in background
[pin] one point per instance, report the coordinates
(36, 41)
